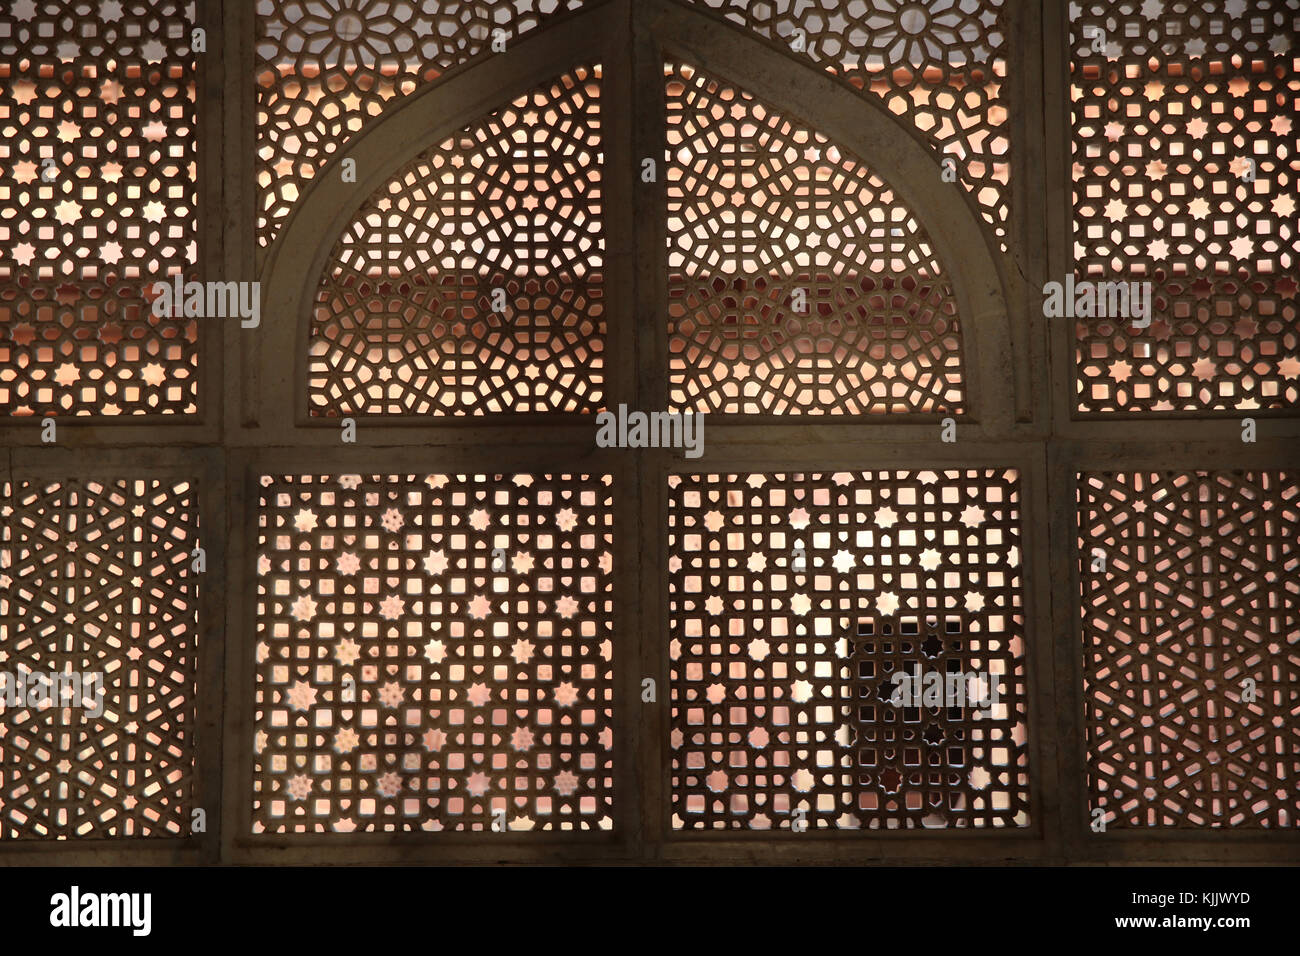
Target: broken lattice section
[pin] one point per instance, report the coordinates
(434, 654)
(325, 68)
(98, 577)
(471, 283)
(794, 599)
(97, 202)
(1191, 630)
(799, 282)
(1184, 176)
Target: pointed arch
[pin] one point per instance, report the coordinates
(472, 281)
(799, 283)
(899, 156)
(896, 153)
(294, 265)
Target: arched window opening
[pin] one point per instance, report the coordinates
(471, 283)
(799, 282)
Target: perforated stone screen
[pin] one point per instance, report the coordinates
(472, 281)
(325, 69)
(793, 600)
(98, 201)
(988, 584)
(97, 580)
(1191, 626)
(799, 282)
(434, 653)
(939, 65)
(1184, 144)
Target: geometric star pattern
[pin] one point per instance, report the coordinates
(1191, 632)
(938, 65)
(96, 577)
(327, 67)
(799, 283)
(434, 651)
(471, 283)
(98, 151)
(1184, 144)
(793, 598)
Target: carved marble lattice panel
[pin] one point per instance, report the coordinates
(794, 598)
(97, 577)
(471, 282)
(1191, 633)
(325, 68)
(97, 202)
(1186, 177)
(433, 650)
(799, 282)
(940, 65)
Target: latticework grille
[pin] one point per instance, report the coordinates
(777, 672)
(97, 202)
(799, 282)
(1191, 630)
(433, 650)
(98, 577)
(326, 67)
(1185, 176)
(940, 65)
(471, 282)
